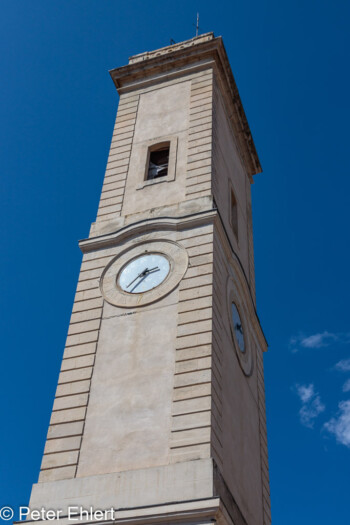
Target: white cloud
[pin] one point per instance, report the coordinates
(305, 392)
(343, 365)
(318, 340)
(340, 425)
(311, 404)
(346, 386)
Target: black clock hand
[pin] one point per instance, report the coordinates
(139, 275)
(152, 270)
(143, 274)
(142, 279)
(239, 328)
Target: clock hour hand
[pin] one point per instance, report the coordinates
(239, 328)
(139, 275)
(145, 272)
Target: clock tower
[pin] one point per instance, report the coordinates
(159, 411)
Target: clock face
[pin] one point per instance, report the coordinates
(238, 327)
(144, 273)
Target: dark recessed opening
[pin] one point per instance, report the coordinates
(234, 214)
(158, 162)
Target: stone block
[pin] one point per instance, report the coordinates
(191, 421)
(197, 121)
(196, 282)
(203, 139)
(185, 438)
(77, 362)
(194, 316)
(108, 193)
(78, 400)
(192, 365)
(77, 387)
(75, 375)
(84, 326)
(86, 315)
(59, 459)
(118, 163)
(87, 284)
(109, 210)
(90, 273)
(62, 444)
(196, 327)
(198, 110)
(65, 430)
(196, 271)
(57, 474)
(191, 453)
(78, 350)
(68, 415)
(197, 240)
(78, 339)
(192, 378)
(189, 406)
(117, 199)
(125, 140)
(88, 304)
(192, 391)
(184, 354)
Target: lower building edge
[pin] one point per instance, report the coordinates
(191, 492)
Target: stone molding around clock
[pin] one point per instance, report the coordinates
(233, 296)
(113, 294)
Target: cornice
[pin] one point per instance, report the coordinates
(145, 226)
(181, 59)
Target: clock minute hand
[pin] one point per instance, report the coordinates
(150, 270)
(144, 273)
(139, 275)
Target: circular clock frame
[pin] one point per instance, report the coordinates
(115, 295)
(245, 357)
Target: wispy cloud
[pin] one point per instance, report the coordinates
(318, 340)
(343, 365)
(346, 386)
(340, 425)
(311, 405)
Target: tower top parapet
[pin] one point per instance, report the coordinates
(198, 53)
(206, 37)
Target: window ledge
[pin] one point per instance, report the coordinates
(157, 180)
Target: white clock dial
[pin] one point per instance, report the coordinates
(144, 273)
(238, 327)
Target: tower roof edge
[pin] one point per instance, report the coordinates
(180, 59)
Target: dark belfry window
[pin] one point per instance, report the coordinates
(158, 161)
(234, 214)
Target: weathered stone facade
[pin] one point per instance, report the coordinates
(153, 406)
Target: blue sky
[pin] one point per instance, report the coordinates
(57, 109)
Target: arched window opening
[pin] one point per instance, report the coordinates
(158, 161)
